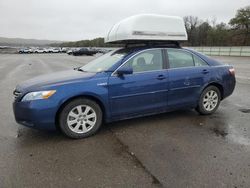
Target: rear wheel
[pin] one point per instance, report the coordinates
(209, 100)
(80, 118)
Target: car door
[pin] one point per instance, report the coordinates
(143, 91)
(187, 75)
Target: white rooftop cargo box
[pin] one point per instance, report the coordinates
(148, 27)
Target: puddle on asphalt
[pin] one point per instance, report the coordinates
(220, 126)
(215, 124)
(219, 132)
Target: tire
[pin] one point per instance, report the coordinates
(209, 100)
(80, 118)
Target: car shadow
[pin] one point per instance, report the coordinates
(215, 123)
(151, 119)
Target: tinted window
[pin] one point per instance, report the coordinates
(146, 61)
(199, 62)
(179, 58)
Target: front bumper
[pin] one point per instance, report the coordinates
(39, 114)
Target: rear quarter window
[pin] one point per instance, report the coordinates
(179, 58)
(199, 62)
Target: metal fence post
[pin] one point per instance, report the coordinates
(241, 50)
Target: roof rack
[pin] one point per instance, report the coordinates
(137, 43)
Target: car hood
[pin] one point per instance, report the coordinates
(53, 79)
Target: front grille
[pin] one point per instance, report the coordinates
(17, 94)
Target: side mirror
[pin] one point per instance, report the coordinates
(124, 70)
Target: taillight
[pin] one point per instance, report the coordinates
(232, 71)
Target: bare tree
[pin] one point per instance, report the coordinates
(191, 23)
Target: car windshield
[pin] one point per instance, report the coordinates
(105, 62)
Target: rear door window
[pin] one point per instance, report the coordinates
(178, 58)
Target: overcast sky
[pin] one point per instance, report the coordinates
(86, 19)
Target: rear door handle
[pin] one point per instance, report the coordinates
(161, 77)
(205, 71)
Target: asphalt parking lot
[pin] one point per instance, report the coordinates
(177, 149)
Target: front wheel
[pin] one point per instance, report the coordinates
(80, 118)
(209, 100)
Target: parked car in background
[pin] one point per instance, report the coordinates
(25, 51)
(42, 50)
(84, 51)
(46, 50)
(39, 50)
(63, 50)
(69, 52)
(56, 50)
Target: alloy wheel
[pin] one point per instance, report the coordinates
(210, 100)
(81, 119)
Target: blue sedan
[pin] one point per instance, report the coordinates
(126, 83)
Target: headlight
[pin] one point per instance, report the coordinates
(38, 95)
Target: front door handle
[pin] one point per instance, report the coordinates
(205, 71)
(161, 77)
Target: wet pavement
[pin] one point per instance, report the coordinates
(176, 149)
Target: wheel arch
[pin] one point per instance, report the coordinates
(218, 85)
(86, 96)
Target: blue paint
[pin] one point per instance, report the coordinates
(122, 96)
